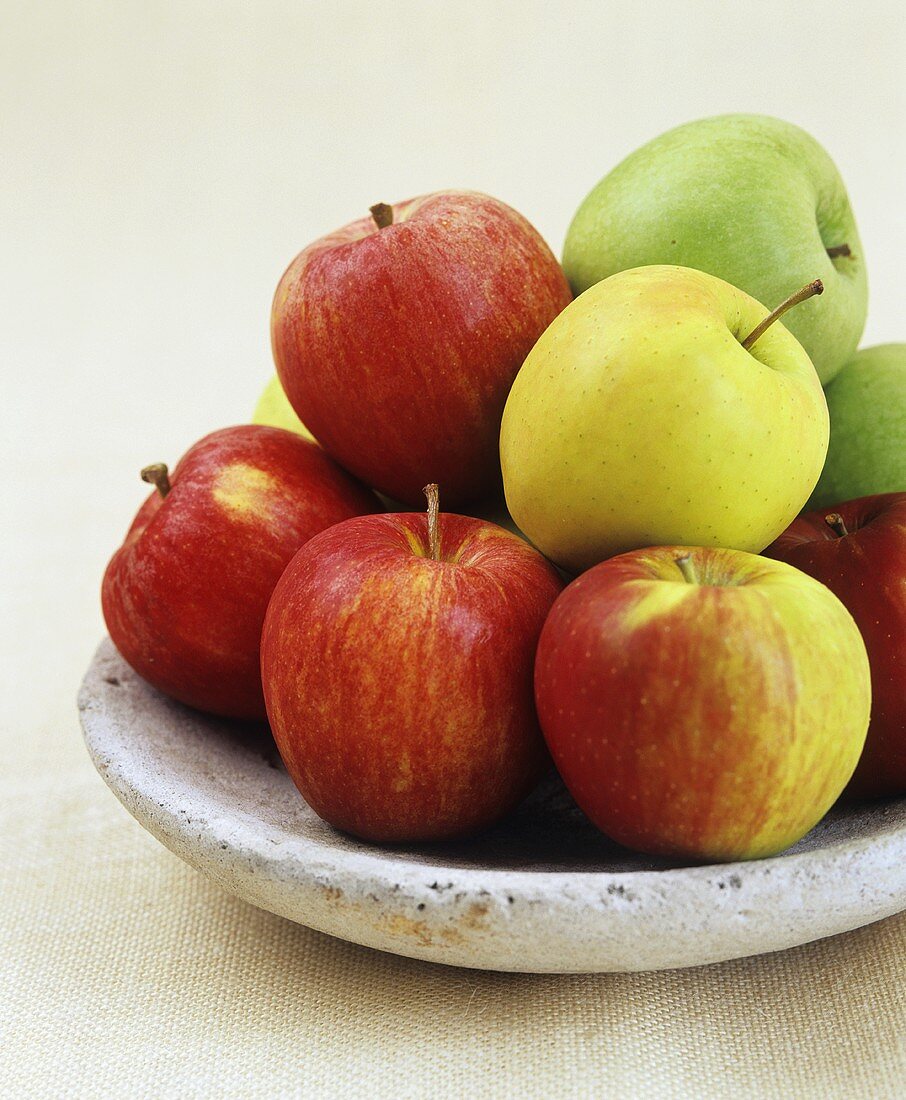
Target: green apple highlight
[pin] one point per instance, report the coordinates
(751, 199)
(640, 419)
(867, 403)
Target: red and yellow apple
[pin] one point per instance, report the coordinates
(397, 338)
(397, 660)
(702, 703)
(858, 549)
(185, 595)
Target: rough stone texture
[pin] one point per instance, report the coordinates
(543, 892)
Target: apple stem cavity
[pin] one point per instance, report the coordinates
(809, 291)
(687, 568)
(157, 475)
(839, 250)
(836, 524)
(432, 492)
(382, 213)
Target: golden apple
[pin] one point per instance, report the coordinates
(640, 419)
(274, 411)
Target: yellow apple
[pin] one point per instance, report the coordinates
(640, 419)
(274, 411)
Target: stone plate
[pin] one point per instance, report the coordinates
(543, 892)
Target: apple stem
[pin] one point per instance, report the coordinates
(157, 475)
(433, 494)
(687, 568)
(836, 524)
(382, 213)
(839, 250)
(809, 291)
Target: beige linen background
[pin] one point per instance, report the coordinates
(160, 163)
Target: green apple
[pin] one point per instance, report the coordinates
(274, 411)
(640, 419)
(748, 198)
(867, 403)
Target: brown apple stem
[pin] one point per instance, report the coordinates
(687, 568)
(836, 524)
(839, 250)
(157, 475)
(816, 287)
(382, 214)
(433, 494)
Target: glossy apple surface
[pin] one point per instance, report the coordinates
(185, 595)
(702, 704)
(397, 345)
(639, 419)
(752, 199)
(399, 686)
(861, 556)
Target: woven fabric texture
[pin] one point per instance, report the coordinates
(127, 974)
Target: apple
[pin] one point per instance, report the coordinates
(185, 595)
(397, 337)
(397, 659)
(274, 411)
(867, 404)
(858, 549)
(702, 703)
(659, 409)
(751, 199)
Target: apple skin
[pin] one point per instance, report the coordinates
(866, 569)
(397, 346)
(185, 595)
(867, 405)
(399, 687)
(716, 720)
(749, 198)
(638, 419)
(274, 411)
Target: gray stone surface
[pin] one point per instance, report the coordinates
(543, 892)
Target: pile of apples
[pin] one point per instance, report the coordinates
(704, 684)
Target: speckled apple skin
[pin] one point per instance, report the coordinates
(184, 597)
(639, 419)
(397, 347)
(867, 570)
(399, 687)
(714, 720)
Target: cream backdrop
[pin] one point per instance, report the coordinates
(160, 164)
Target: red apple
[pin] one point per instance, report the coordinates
(858, 549)
(397, 338)
(397, 660)
(184, 597)
(702, 703)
